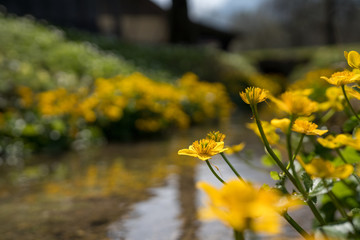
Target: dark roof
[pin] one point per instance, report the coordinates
(134, 7)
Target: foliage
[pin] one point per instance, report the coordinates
(58, 94)
(323, 172)
(169, 62)
(40, 57)
(120, 108)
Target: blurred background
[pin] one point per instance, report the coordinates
(97, 97)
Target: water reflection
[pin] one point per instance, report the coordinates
(132, 191)
(154, 219)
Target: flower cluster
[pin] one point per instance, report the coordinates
(156, 105)
(242, 206)
(322, 162)
(117, 108)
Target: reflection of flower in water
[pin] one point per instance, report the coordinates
(101, 180)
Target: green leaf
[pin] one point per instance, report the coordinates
(308, 182)
(339, 231)
(350, 124)
(355, 211)
(341, 190)
(274, 175)
(268, 161)
(318, 187)
(351, 155)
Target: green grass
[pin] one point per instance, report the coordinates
(40, 56)
(166, 62)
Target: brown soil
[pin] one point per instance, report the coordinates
(69, 219)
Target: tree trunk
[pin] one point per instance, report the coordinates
(181, 29)
(330, 22)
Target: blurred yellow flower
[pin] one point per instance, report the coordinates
(319, 168)
(351, 141)
(254, 95)
(216, 136)
(333, 142)
(308, 80)
(56, 102)
(353, 59)
(307, 128)
(342, 78)
(269, 130)
(352, 92)
(148, 125)
(26, 96)
(203, 149)
(268, 82)
(241, 206)
(235, 148)
(335, 98)
(357, 169)
(296, 103)
(283, 124)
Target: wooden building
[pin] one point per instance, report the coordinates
(133, 20)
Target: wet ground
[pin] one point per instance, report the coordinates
(133, 191)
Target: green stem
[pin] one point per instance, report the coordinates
(298, 147)
(292, 165)
(288, 137)
(268, 148)
(346, 162)
(340, 155)
(349, 186)
(327, 116)
(238, 235)
(213, 171)
(337, 204)
(348, 102)
(296, 226)
(283, 168)
(315, 211)
(231, 166)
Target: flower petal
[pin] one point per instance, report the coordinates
(188, 152)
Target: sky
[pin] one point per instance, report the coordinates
(214, 12)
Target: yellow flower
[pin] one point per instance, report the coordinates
(254, 95)
(306, 127)
(333, 142)
(216, 136)
(235, 148)
(352, 92)
(348, 140)
(268, 82)
(335, 98)
(357, 169)
(27, 96)
(342, 78)
(295, 103)
(241, 206)
(319, 168)
(353, 58)
(269, 130)
(283, 124)
(203, 149)
(341, 140)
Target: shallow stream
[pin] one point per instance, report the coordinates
(132, 191)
